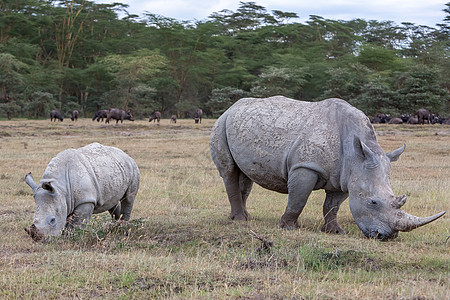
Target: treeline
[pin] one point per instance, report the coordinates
(82, 55)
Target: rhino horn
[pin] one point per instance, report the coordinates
(30, 181)
(407, 222)
(399, 201)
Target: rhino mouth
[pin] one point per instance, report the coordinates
(382, 236)
(34, 233)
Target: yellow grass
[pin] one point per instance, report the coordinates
(180, 243)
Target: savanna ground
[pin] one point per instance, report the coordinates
(180, 242)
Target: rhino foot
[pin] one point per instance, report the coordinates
(240, 217)
(289, 221)
(332, 228)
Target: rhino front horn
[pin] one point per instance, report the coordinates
(407, 222)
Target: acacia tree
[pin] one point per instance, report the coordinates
(419, 88)
(279, 81)
(11, 83)
(133, 71)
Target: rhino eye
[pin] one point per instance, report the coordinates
(373, 202)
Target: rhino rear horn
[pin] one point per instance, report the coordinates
(30, 181)
(407, 222)
(399, 201)
(394, 155)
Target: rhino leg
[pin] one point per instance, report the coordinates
(126, 204)
(235, 192)
(301, 183)
(330, 209)
(81, 214)
(115, 211)
(245, 184)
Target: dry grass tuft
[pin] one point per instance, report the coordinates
(180, 243)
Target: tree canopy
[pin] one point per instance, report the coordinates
(78, 54)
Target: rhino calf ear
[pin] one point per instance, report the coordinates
(395, 155)
(30, 181)
(48, 186)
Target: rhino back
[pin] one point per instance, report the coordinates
(268, 137)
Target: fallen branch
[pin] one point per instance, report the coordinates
(266, 245)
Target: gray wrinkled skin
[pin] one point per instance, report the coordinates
(81, 182)
(295, 147)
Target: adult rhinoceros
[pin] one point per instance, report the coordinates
(296, 147)
(79, 183)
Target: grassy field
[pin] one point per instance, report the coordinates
(180, 243)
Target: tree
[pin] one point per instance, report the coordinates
(39, 104)
(11, 82)
(279, 81)
(377, 97)
(419, 88)
(132, 72)
(377, 58)
(222, 99)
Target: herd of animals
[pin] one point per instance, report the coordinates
(284, 145)
(120, 115)
(422, 116)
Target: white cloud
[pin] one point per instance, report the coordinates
(420, 12)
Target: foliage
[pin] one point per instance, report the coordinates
(39, 104)
(223, 98)
(279, 81)
(91, 56)
(132, 73)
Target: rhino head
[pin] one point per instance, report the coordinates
(51, 209)
(375, 208)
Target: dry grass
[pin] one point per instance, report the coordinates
(180, 243)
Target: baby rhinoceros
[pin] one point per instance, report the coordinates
(80, 182)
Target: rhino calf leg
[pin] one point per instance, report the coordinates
(301, 183)
(81, 215)
(331, 206)
(115, 212)
(126, 204)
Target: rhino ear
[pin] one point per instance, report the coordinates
(394, 155)
(364, 151)
(30, 181)
(48, 186)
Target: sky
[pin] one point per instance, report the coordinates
(420, 12)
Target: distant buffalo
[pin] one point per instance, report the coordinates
(436, 119)
(413, 120)
(405, 117)
(55, 114)
(155, 117)
(173, 119)
(423, 116)
(100, 114)
(74, 116)
(381, 118)
(198, 114)
(396, 121)
(119, 114)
